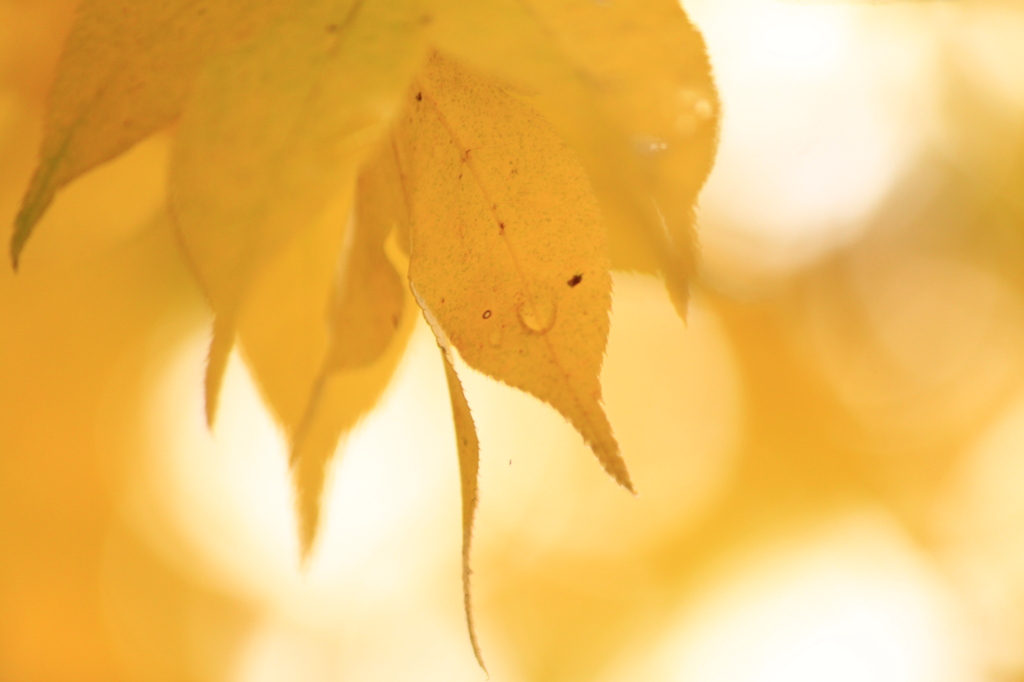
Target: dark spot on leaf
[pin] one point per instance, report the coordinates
(419, 96)
(426, 19)
(576, 279)
(501, 227)
(487, 314)
(332, 28)
(394, 321)
(442, 301)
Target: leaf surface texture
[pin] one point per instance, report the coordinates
(508, 249)
(629, 86)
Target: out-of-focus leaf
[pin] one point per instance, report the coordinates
(628, 85)
(126, 71)
(340, 401)
(371, 321)
(273, 131)
(509, 255)
(370, 293)
(301, 208)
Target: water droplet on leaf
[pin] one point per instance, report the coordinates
(649, 145)
(704, 109)
(538, 314)
(695, 109)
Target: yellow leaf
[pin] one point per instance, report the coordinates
(509, 255)
(468, 446)
(469, 467)
(274, 129)
(300, 202)
(126, 71)
(370, 292)
(340, 401)
(370, 324)
(628, 85)
(283, 325)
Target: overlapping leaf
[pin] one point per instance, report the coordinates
(268, 155)
(296, 194)
(126, 72)
(370, 324)
(274, 131)
(629, 86)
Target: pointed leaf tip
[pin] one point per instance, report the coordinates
(216, 364)
(15, 253)
(621, 477)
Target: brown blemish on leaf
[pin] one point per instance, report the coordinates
(558, 227)
(487, 314)
(576, 279)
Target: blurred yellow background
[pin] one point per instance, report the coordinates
(829, 456)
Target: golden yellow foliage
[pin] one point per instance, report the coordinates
(504, 145)
(628, 85)
(125, 73)
(469, 468)
(828, 451)
(274, 130)
(507, 251)
(369, 324)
